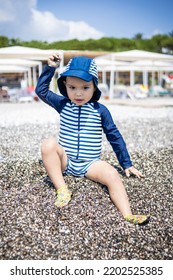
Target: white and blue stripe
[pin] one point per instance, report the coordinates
(93, 69)
(77, 167)
(81, 131)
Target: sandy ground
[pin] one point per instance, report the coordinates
(90, 227)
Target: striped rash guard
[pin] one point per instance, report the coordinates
(81, 126)
(80, 131)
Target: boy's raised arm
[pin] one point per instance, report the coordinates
(42, 88)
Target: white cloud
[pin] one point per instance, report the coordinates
(46, 26)
(83, 31)
(23, 20)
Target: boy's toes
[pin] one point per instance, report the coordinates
(63, 197)
(137, 219)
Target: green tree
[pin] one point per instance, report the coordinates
(102, 44)
(167, 44)
(36, 44)
(15, 42)
(4, 41)
(126, 44)
(138, 36)
(158, 42)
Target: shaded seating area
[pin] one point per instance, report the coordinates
(133, 67)
(130, 74)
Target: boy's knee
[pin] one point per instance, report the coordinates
(48, 145)
(112, 174)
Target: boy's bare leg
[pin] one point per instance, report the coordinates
(104, 173)
(55, 161)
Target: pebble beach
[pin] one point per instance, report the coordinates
(89, 227)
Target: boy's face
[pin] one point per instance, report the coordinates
(78, 90)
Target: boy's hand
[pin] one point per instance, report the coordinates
(134, 171)
(54, 60)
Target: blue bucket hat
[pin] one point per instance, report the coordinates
(81, 67)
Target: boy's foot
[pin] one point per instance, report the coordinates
(63, 197)
(137, 219)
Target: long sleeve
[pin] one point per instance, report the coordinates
(115, 138)
(42, 90)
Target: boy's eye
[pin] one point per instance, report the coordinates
(71, 87)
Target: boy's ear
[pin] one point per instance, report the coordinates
(64, 82)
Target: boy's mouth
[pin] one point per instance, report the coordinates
(79, 100)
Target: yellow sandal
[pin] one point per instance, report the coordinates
(137, 219)
(63, 197)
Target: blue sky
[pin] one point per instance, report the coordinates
(53, 20)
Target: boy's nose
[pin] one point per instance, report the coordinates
(78, 92)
